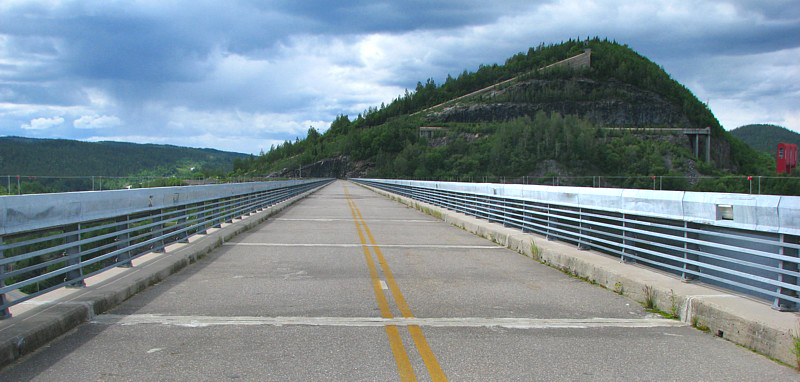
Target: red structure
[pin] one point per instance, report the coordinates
(786, 158)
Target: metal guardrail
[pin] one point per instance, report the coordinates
(745, 243)
(48, 241)
(21, 184)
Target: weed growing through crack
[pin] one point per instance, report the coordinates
(649, 297)
(534, 250)
(673, 304)
(699, 325)
(651, 306)
(796, 345)
(619, 288)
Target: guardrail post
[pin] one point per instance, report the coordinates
(525, 216)
(549, 212)
(625, 242)
(236, 207)
(779, 303)
(216, 222)
(73, 255)
(581, 242)
(274, 197)
(245, 202)
(204, 213)
(183, 237)
(503, 204)
(158, 230)
(4, 313)
(123, 240)
(480, 207)
(688, 277)
(260, 206)
(243, 206)
(473, 201)
(254, 204)
(229, 208)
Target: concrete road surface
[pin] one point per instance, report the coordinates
(347, 285)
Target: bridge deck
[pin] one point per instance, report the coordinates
(347, 285)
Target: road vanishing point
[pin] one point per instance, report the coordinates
(347, 285)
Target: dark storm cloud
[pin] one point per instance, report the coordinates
(121, 48)
(111, 46)
(365, 16)
(58, 94)
(739, 39)
(173, 43)
(268, 69)
(787, 10)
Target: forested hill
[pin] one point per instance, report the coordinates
(61, 157)
(765, 137)
(616, 114)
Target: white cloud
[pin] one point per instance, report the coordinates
(746, 89)
(42, 123)
(791, 121)
(96, 122)
(98, 98)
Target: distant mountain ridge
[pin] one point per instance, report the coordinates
(64, 157)
(765, 137)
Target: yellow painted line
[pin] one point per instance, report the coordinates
(434, 369)
(404, 368)
(383, 303)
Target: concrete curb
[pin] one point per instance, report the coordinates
(22, 334)
(743, 321)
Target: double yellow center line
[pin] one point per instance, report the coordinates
(404, 367)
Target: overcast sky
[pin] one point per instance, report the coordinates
(240, 75)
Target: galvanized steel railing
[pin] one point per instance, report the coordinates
(48, 241)
(745, 243)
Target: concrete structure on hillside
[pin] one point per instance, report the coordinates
(429, 131)
(693, 134)
(581, 61)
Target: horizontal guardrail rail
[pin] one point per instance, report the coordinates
(745, 243)
(48, 241)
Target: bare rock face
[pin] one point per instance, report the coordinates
(607, 103)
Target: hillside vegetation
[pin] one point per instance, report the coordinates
(62, 157)
(608, 119)
(765, 138)
(60, 165)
